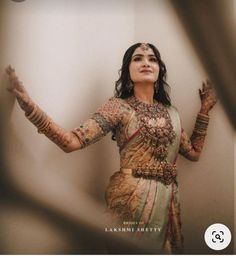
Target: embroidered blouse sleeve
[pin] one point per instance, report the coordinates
(105, 119)
(185, 143)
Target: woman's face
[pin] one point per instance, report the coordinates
(143, 67)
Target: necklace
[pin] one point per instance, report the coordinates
(155, 126)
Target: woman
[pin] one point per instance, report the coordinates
(143, 195)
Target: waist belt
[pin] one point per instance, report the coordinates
(163, 172)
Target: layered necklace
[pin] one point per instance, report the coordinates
(155, 126)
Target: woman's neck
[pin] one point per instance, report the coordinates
(144, 93)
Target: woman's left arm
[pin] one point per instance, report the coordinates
(192, 148)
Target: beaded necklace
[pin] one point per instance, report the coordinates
(155, 126)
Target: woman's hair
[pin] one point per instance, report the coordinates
(121, 87)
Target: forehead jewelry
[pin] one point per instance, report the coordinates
(144, 46)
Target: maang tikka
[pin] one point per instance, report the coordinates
(144, 46)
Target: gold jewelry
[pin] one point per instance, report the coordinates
(155, 126)
(201, 124)
(42, 121)
(37, 118)
(164, 172)
(46, 128)
(203, 117)
(144, 46)
(30, 115)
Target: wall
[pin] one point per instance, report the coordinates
(68, 54)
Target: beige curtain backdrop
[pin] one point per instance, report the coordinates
(68, 53)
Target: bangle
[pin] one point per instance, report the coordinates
(203, 116)
(199, 132)
(37, 118)
(43, 120)
(30, 115)
(46, 128)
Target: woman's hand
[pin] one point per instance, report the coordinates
(208, 97)
(16, 87)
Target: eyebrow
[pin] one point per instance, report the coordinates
(143, 55)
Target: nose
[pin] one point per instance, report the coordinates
(146, 62)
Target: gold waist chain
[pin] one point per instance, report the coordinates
(164, 172)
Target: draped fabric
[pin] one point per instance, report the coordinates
(149, 206)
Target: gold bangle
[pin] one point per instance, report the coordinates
(199, 132)
(43, 120)
(37, 117)
(203, 116)
(201, 125)
(202, 121)
(46, 128)
(44, 125)
(29, 116)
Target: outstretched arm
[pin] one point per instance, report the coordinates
(66, 140)
(192, 148)
(105, 119)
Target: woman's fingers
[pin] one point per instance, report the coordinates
(15, 82)
(16, 92)
(19, 86)
(209, 84)
(203, 86)
(11, 73)
(206, 86)
(9, 70)
(13, 78)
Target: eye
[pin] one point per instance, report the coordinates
(137, 59)
(153, 59)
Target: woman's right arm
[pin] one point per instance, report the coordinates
(106, 118)
(68, 141)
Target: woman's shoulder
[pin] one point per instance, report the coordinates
(117, 101)
(114, 103)
(117, 105)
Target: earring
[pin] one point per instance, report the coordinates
(130, 86)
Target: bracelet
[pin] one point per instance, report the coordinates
(46, 128)
(29, 116)
(43, 121)
(37, 118)
(201, 126)
(199, 132)
(203, 117)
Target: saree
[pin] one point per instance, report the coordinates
(143, 194)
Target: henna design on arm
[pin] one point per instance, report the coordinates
(192, 148)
